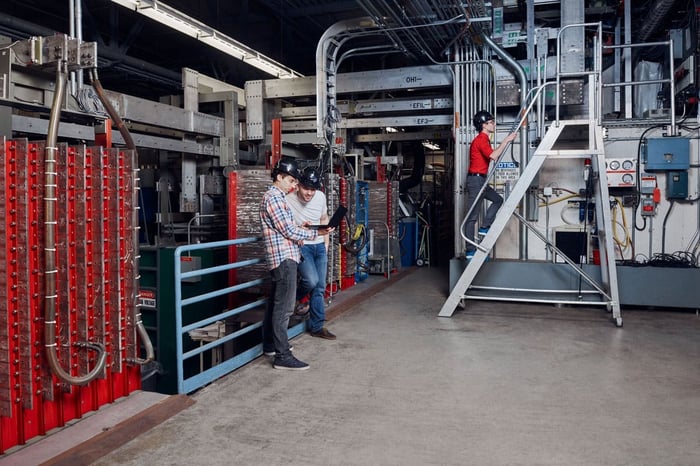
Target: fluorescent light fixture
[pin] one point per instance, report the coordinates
(391, 129)
(179, 21)
(430, 145)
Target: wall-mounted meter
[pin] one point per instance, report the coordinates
(672, 153)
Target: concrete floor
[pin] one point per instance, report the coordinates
(497, 383)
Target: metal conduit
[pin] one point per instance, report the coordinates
(376, 7)
(129, 141)
(50, 200)
(323, 86)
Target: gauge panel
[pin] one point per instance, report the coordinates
(621, 172)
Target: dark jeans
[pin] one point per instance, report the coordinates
(280, 306)
(474, 184)
(312, 278)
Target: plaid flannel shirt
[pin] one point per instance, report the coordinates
(280, 234)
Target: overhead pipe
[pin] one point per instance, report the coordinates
(655, 15)
(322, 70)
(130, 144)
(329, 44)
(50, 200)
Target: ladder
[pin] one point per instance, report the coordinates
(581, 139)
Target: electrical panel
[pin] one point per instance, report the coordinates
(666, 153)
(685, 75)
(677, 185)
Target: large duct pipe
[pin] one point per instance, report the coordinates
(418, 168)
(655, 15)
(524, 143)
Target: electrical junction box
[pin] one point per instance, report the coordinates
(682, 42)
(190, 264)
(648, 183)
(670, 153)
(677, 185)
(648, 207)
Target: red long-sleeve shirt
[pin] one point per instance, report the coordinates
(479, 153)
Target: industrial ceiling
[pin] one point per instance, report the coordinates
(142, 57)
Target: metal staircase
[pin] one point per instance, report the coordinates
(561, 142)
(570, 139)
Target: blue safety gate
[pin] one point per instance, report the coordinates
(187, 383)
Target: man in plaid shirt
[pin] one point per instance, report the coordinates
(282, 240)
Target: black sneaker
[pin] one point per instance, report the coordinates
(273, 352)
(290, 364)
(323, 333)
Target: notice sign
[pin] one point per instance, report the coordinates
(147, 298)
(507, 172)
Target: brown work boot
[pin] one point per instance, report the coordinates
(323, 333)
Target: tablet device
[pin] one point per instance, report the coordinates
(334, 222)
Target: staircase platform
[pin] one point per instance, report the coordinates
(542, 281)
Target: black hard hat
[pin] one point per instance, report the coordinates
(480, 118)
(310, 178)
(287, 166)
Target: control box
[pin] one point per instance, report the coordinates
(677, 185)
(672, 153)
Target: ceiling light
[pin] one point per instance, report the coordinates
(179, 21)
(430, 145)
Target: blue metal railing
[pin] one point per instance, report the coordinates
(187, 384)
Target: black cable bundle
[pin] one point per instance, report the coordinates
(679, 259)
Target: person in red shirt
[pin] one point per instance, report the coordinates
(480, 155)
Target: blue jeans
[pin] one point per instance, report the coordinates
(312, 278)
(280, 306)
(474, 184)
